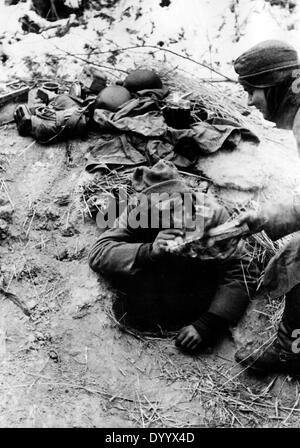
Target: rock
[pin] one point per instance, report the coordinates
(3, 199)
(39, 336)
(6, 212)
(63, 199)
(4, 232)
(3, 55)
(51, 214)
(54, 355)
(28, 25)
(69, 231)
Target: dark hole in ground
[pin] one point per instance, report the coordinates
(56, 9)
(13, 2)
(165, 3)
(290, 4)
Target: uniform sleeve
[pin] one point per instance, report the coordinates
(114, 253)
(237, 281)
(296, 130)
(118, 251)
(282, 219)
(237, 284)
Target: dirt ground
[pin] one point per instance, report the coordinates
(67, 363)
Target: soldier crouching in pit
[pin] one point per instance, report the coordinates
(199, 294)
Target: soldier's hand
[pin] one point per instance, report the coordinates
(188, 338)
(160, 244)
(254, 220)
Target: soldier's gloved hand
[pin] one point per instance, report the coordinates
(188, 338)
(160, 244)
(254, 220)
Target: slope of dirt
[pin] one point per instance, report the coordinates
(68, 364)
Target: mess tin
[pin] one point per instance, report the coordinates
(177, 113)
(50, 85)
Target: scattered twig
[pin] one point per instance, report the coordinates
(294, 407)
(167, 50)
(37, 378)
(4, 187)
(32, 217)
(26, 148)
(13, 298)
(4, 123)
(90, 62)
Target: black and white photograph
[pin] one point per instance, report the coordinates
(150, 217)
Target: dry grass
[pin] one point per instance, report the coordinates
(94, 191)
(5, 190)
(216, 100)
